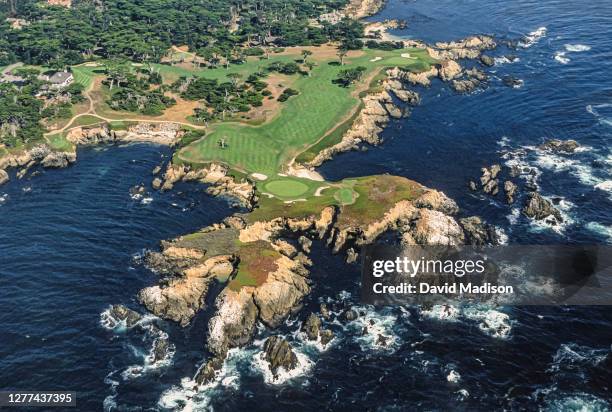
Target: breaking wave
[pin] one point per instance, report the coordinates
(533, 37)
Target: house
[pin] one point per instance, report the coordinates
(59, 80)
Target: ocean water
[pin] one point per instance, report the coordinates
(71, 243)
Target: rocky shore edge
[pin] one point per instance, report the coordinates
(190, 265)
(378, 108)
(164, 133)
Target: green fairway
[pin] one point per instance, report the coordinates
(84, 75)
(303, 120)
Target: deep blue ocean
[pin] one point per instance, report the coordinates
(71, 243)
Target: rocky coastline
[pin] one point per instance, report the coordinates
(378, 108)
(46, 156)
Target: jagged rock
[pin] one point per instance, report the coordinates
(183, 296)
(279, 354)
(4, 177)
(491, 187)
(556, 145)
(207, 371)
(90, 135)
(435, 228)
(312, 327)
(120, 313)
(449, 69)
(510, 189)
(394, 111)
(477, 232)
(58, 159)
(495, 169)
(464, 85)
(305, 243)
(382, 340)
(487, 60)
(350, 315)
(160, 348)
(285, 248)
(536, 207)
(324, 311)
(351, 255)
(235, 222)
(156, 170)
(326, 336)
(472, 186)
(157, 183)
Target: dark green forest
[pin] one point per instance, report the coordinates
(143, 30)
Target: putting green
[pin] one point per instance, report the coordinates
(286, 188)
(346, 196)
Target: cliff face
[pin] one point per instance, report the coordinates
(266, 273)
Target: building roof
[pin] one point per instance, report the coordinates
(60, 77)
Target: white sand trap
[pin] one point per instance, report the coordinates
(375, 59)
(259, 176)
(295, 200)
(406, 55)
(91, 64)
(320, 189)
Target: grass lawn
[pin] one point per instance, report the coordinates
(58, 142)
(84, 75)
(303, 120)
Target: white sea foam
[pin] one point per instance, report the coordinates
(282, 376)
(513, 217)
(453, 376)
(575, 357)
(595, 111)
(146, 200)
(3, 198)
(533, 37)
(600, 229)
(580, 402)
(442, 312)
(110, 401)
(504, 60)
(561, 58)
(577, 47)
(378, 326)
(492, 322)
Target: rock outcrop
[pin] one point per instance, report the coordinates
(58, 159)
(560, 146)
(510, 190)
(4, 177)
(181, 297)
(468, 48)
(539, 208)
(477, 232)
(121, 313)
(279, 354)
(215, 175)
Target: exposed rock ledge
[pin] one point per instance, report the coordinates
(221, 252)
(215, 175)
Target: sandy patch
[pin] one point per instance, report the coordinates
(375, 59)
(406, 55)
(320, 190)
(259, 176)
(300, 171)
(295, 200)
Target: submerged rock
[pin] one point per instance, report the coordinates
(556, 145)
(279, 354)
(512, 81)
(326, 336)
(536, 207)
(160, 348)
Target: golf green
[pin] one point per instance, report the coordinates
(286, 188)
